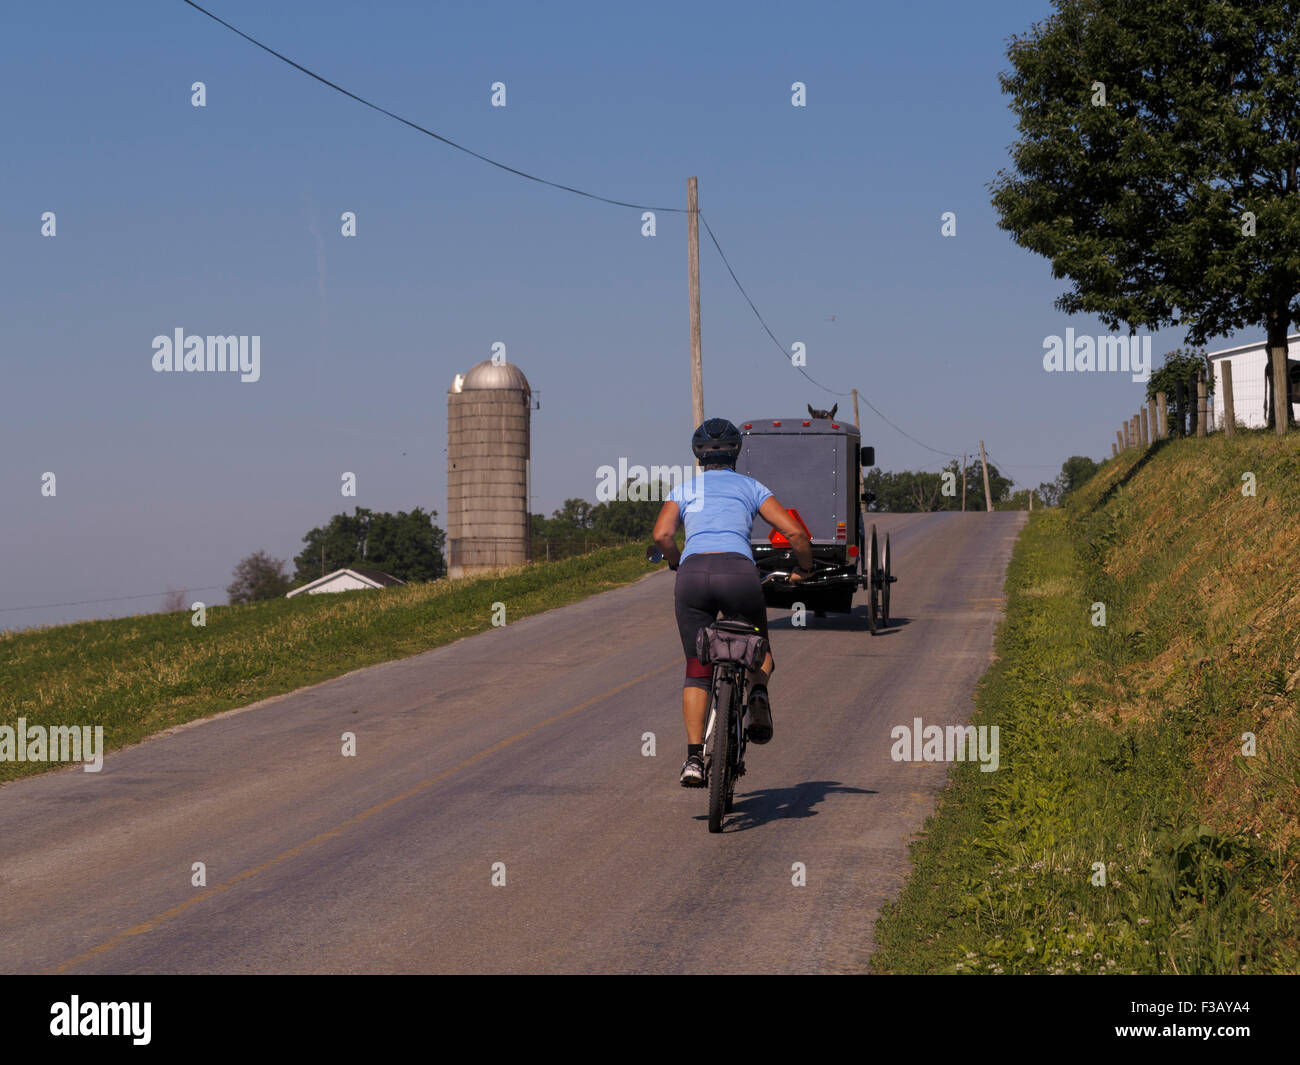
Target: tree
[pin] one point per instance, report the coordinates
(912, 491)
(575, 514)
(632, 515)
(1157, 164)
(1074, 472)
(1048, 494)
(406, 545)
(257, 577)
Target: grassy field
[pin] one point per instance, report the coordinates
(1122, 744)
(136, 676)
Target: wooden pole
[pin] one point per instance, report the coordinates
(963, 484)
(1278, 350)
(862, 480)
(1200, 403)
(1151, 419)
(1119, 439)
(1126, 444)
(1229, 407)
(1114, 451)
(988, 496)
(693, 269)
(1144, 431)
(1162, 409)
(1031, 499)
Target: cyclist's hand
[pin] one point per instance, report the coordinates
(796, 577)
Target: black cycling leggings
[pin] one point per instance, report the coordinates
(709, 584)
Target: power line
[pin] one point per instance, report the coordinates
(428, 132)
(110, 599)
(566, 188)
(761, 322)
(781, 349)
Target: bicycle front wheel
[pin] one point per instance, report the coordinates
(720, 752)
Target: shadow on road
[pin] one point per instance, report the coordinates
(855, 622)
(759, 807)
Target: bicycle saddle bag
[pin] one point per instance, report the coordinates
(731, 640)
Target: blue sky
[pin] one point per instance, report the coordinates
(225, 220)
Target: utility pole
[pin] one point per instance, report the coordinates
(693, 269)
(988, 496)
(963, 484)
(862, 480)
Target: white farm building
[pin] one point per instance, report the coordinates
(347, 580)
(1249, 396)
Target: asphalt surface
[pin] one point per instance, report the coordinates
(522, 746)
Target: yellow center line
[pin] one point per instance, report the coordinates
(356, 819)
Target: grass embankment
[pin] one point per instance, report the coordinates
(139, 675)
(1123, 744)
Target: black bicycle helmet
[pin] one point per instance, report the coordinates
(716, 442)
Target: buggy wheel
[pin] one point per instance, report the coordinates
(885, 586)
(872, 565)
(720, 754)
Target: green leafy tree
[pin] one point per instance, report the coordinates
(913, 491)
(259, 576)
(632, 516)
(1157, 164)
(406, 545)
(1074, 472)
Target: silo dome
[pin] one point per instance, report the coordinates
(488, 468)
(489, 374)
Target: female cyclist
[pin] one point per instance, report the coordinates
(716, 573)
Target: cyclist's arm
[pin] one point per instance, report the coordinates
(779, 518)
(665, 531)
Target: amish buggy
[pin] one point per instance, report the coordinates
(813, 466)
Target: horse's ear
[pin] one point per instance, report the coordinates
(811, 412)
(834, 409)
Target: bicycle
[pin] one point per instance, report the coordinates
(725, 735)
(733, 646)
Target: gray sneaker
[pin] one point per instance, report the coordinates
(693, 772)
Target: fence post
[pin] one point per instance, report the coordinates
(1229, 407)
(1151, 419)
(1114, 451)
(1162, 412)
(1145, 429)
(1200, 403)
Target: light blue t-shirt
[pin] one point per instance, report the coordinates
(719, 507)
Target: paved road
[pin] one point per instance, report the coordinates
(520, 746)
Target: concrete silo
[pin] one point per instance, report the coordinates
(487, 469)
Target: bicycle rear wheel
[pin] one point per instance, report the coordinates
(720, 754)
